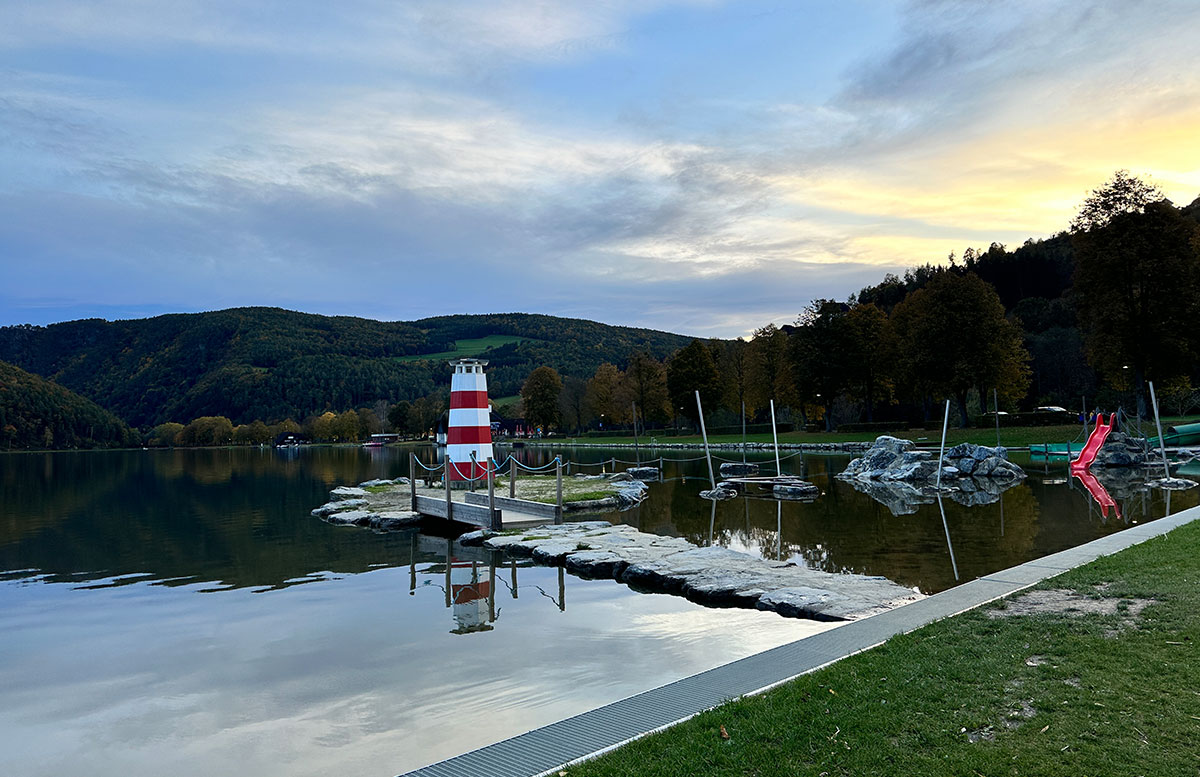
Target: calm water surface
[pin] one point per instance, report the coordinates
(181, 612)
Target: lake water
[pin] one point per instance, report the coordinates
(180, 612)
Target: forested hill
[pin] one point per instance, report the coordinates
(271, 364)
(36, 413)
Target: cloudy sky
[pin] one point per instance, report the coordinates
(702, 167)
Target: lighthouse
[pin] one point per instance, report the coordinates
(470, 428)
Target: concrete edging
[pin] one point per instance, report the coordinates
(581, 737)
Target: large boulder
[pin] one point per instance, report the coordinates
(1121, 450)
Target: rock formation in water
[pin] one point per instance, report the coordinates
(896, 475)
(893, 459)
(1122, 450)
(708, 575)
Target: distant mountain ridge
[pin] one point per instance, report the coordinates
(38, 413)
(271, 364)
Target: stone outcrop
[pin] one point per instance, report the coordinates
(1121, 450)
(713, 576)
(893, 459)
(735, 469)
(895, 474)
(645, 474)
(797, 490)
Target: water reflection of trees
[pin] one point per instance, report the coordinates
(239, 517)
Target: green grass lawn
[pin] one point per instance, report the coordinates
(1050, 693)
(1013, 437)
(465, 348)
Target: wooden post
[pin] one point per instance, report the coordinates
(514, 578)
(492, 591)
(558, 506)
(493, 518)
(512, 477)
(712, 481)
(412, 565)
(562, 590)
(449, 504)
(412, 478)
(471, 477)
(449, 555)
(1162, 441)
(941, 454)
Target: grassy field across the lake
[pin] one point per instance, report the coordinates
(466, 348)
(1093, 673)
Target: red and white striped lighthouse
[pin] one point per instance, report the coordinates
(470, 429)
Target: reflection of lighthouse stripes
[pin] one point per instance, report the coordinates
(470, 427)
(469, 597)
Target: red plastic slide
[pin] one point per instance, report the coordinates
(1097, 490)
(1094, 443)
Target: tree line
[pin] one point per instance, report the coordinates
(1090, 315)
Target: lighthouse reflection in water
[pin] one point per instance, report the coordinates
(470, 579)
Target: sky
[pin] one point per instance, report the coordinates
(696, 166)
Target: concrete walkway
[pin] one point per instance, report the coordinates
(546, 750)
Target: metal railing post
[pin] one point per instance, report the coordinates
(493, 518)
(412, 478)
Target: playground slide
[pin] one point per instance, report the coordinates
(1094, 442)
(1097, 490)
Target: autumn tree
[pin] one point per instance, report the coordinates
(953, 337)
(733, 364)
(645, 383)
(689, 370)
(872, 355)
(1136, 283)
(164, 434)
(769, 368)
(540, 395)
(572, 403)
(397, 416)
(603, 395)
(819, 348)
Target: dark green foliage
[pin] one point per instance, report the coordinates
(953, 336)
(269, 364)
(1137, 285)
(692, 369)
(37, 413)
(540, 395)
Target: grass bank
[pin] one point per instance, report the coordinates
(1011, 436)
(1096, 673)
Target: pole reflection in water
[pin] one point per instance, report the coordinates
(779, 531)
(946, 526)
